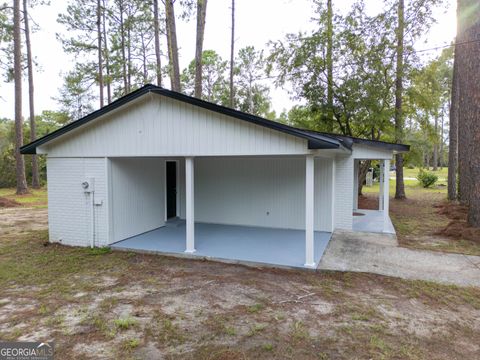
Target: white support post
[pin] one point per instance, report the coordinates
(309, 210)
(356, 165)
(386, 193)
(380, 193)
(190, 204)
(333, 193)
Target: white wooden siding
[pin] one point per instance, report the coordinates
(69, 208)
(268, 192)
(365, 152)
(159, 126)
(137, 195)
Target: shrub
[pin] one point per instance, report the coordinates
(426, 178)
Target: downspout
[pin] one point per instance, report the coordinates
(89, 189)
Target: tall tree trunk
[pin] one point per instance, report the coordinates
(435, 146)
(107, 55)
(144, 60)
(156, 27)
(31, 103)
(400, 186)
(329, 66)
(172, 45)
(453, 135)
(17, 73)
(362, 174)
(122, 41)
(201, 17)
(99, 44)
(441, 157)
(463, 137)
(232, 56)
(469, 104)
(129, 57)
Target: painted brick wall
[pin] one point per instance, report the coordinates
(69, 208)
(343, 192)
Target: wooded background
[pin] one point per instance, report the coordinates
(355, 74)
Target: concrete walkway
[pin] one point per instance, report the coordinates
(379, 254)
(372, 221)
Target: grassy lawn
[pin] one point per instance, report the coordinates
(117, 305)
(35, 198)
(131, 306)
(442, 173)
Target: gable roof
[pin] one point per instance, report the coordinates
(316, 140)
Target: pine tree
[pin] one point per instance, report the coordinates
(17, 73)
(201, 17)
(31, 98)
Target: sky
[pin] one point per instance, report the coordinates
(257, 22)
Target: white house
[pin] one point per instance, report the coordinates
(160, 171)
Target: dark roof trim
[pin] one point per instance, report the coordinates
(316, 140)
(383, 144)
(375, 143)
(31, 148)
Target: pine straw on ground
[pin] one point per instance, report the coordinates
(425, 220)
(458, 227)
(368, 202)
(7, 203)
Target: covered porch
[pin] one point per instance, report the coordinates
(268, 210)
(230, 243)
(370, 220)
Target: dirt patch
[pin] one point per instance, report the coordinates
(458, 227)
(122, 305)
(7, 203)
(15, 220)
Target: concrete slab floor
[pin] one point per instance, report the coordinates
(372, 221)
(233, 243)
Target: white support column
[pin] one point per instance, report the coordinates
(386, 192)
(309, 210)
(334, 169)
(356, 165)
(190, 204)
(380, 193)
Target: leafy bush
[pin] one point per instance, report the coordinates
(426, 178)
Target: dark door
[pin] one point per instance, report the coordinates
(171, 189)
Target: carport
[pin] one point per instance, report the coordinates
(235, 209)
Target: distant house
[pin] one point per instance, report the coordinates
(160, 171)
